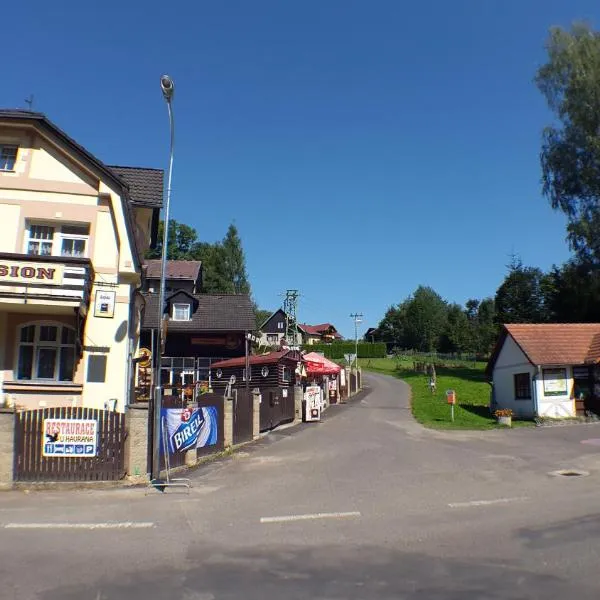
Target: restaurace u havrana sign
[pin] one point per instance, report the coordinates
(34, 273)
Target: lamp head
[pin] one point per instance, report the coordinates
(167, 86)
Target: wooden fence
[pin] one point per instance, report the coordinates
(107, 465)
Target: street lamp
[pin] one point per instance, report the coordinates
(168, 88)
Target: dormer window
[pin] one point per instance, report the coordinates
(181, 312)
(8, 157)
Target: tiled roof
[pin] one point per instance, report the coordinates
(215, 312)
(145, 185)
(259, 359)
(558, 343)
(318, 329)
(176, 269)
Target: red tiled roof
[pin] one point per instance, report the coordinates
(176, 269)
(316, 329)
(259, 359)
(558, 343)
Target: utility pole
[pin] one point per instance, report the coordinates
(357, 319)
(290, 308)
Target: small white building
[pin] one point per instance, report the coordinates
(547, 370)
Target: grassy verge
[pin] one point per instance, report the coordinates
(432, 410)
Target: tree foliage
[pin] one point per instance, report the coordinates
(521, 298)
(223, 263)
(427, 323)
(570, 156)
(234, 262)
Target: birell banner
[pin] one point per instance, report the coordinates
(190, 428)
(70, 437)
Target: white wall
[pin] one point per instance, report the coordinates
(511, 360)
(556, 406)
(9, 217)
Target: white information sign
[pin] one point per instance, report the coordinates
(555, 382)
(104, 306)
(70, 437)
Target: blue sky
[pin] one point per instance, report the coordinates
(362, 147)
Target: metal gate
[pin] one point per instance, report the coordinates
(277, 407)
(243, 408)
(107, 465)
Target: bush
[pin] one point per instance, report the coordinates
(337, 350)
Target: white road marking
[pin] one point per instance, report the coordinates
(288, 518)
(486, 502)
(106, 525)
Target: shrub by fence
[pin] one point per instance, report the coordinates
(337, 350)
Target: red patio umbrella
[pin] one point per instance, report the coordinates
(319, 365)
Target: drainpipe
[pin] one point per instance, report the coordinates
(535, 393)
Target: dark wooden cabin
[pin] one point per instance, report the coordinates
(274, 374)
(202, 329)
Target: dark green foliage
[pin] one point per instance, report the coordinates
(573, 293)
(261, 315)
(337, 350)
(521, 298)
(426, 323)
(234, 262)
(223, 263)
(570, 156)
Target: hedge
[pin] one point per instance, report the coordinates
(337, 350)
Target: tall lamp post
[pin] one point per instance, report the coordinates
(168, 88)
(357, 319)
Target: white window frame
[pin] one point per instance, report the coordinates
(57, 238)
(280, 325)
(272, 338)
(286, 375)
(179, 305)
(38, 345)
(3, 159)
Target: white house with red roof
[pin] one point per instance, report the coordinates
(547, 370)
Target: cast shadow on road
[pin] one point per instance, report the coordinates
(562, 533)
(326, 572)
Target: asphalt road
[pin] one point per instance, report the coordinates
(366, 504)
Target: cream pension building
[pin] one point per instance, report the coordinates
(73, 232)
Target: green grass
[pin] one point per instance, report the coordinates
(432, 410)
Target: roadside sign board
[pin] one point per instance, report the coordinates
(350, 358)
(74, 438)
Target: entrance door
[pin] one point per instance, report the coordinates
(242, 416)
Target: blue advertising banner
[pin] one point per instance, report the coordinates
(189, 428)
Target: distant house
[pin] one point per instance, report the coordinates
(272, 331)
(550, 370)
(179, 275)
(318, 334)
(371, 334)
